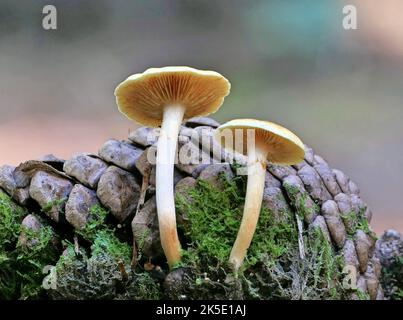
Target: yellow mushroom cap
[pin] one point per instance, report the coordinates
(143, 96)
(283, 146)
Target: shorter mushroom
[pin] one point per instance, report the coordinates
(262, 141)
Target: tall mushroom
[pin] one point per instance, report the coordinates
(264, 141)
(166, 97)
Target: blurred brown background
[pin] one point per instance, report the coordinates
(290, 62)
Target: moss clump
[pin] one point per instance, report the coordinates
(32, 259)
(11, 216)
(141, 242)
(298, 200)
(141, 286)
(21, 266)
(272, 268)
(95, 223)
(215, 217)
(103, 274)
(326, 267)
(362, 295)
(357, 221)
(106, 243)
(8, 281)
(318, 276)
(57, 204)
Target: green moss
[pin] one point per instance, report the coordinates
(362, 295)
(317, 276)
(67, 256)
(106, 243)
(298, 200)
(21, 266)
(357, 221)
(8, 281)
(272, 268)
(141, 286)
(57, 203)
(326, 266)
(273, 239)
(215, 217)
(141, 242)
(32, 259)
(105, 274)
(350, 220)
(96, 222)
(214, 220)
(11, 216)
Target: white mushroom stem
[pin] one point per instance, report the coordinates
(253, 203)
(166, 149)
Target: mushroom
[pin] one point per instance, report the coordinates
(166, 97)
(262, 141)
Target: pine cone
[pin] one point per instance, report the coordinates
(322, 201)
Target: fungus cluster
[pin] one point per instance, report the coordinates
(165, 97)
